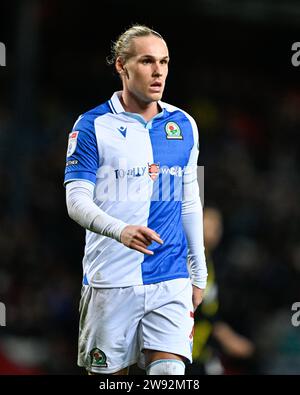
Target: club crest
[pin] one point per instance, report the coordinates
(98, 358)
(173, 131)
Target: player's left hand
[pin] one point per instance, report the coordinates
(197, 296)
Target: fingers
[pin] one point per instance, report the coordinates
(144, 238)
(144, 250)
(139, 238)
(141, 248)
(197, 297)
(151, 235)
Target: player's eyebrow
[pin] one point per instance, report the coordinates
(153, 57)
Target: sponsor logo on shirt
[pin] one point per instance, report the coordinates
(72, 162)
(130, 173)
(177, 171)
(153, 170)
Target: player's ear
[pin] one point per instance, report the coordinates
(120, 67)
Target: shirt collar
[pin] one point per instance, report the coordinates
(116, 106)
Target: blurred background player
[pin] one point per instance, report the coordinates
(212, 336)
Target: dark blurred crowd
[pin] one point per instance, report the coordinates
(41, 250)
(251, 159)
(249, 123)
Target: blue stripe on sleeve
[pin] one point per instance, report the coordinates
(84, 161)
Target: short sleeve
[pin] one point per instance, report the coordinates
(191, 193)
(82, 159)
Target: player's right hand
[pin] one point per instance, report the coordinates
(139, 238)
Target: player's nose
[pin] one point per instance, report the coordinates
(157, 71)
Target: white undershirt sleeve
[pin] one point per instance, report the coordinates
(83, 210)
(192, 218)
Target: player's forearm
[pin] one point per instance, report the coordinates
(192, 219)
(82, 209)
(193, 227)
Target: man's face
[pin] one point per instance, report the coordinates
(146, 71)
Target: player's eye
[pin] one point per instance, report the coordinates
(146, 61)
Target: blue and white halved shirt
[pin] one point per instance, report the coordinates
(138, 169)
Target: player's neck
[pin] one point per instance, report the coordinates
(132, 104)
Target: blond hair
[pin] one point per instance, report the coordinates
(122, 46)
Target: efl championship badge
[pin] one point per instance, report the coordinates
(98, 358)
(72, 143)
(173, 131)
(153, 171)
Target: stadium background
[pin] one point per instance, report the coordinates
(231, 69)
